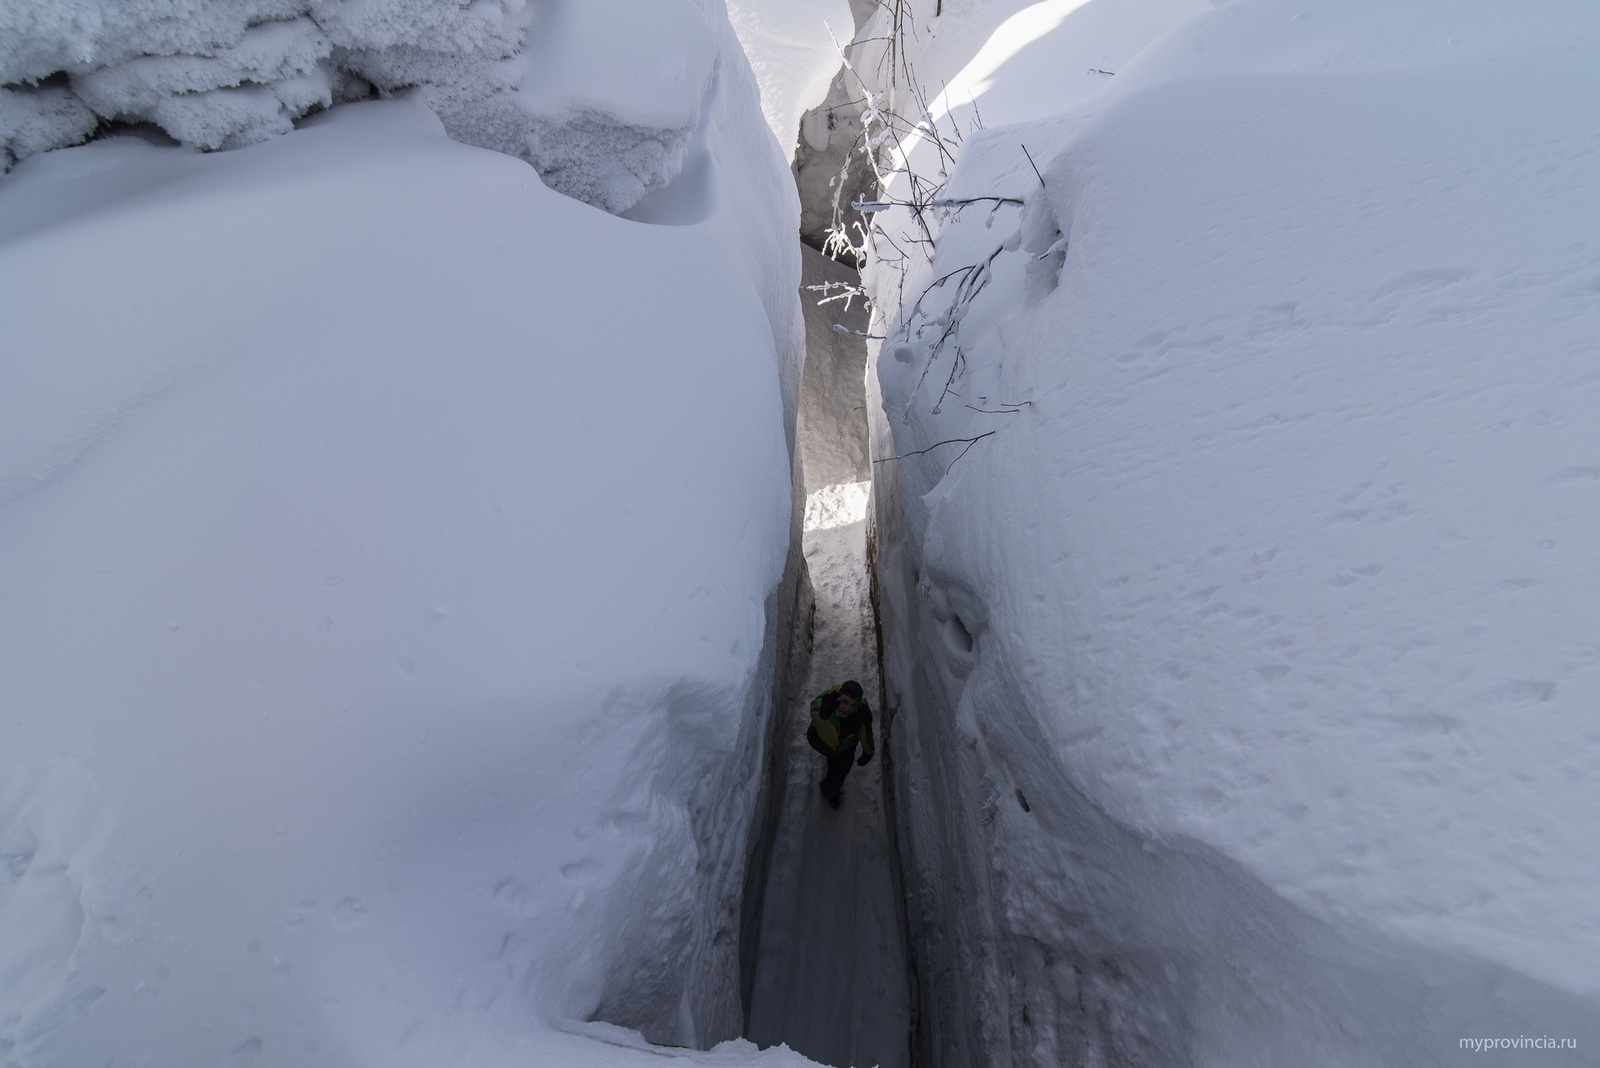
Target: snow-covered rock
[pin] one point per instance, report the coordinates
(603, 97)
(36, 119)
(1245, 628)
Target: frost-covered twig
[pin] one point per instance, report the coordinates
(851, 291)
(897, 119)
(916, 309)
(840, 328)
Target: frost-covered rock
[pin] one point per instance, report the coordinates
(40, 37)
(604, 116)
(602, 97)
(39, 119)
(267, 53)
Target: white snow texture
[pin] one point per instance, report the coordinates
(388, 543)
(1260, 638)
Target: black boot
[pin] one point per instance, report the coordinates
(839, 765)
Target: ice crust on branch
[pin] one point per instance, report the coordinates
(500, 74)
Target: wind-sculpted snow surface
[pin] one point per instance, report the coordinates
(389, 548)
(602, 96)
(1245, 631)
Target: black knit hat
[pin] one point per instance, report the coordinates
(853, 688)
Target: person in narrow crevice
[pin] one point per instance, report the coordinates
(840, 718)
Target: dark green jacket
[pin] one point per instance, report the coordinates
(838, 732)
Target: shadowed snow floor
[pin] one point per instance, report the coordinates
(831, 978)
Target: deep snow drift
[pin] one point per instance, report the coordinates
(391, 554)
(1244, 635)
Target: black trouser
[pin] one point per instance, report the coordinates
(839, 762)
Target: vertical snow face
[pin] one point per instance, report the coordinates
(794, 50)
(389, 548)
(1245, 657)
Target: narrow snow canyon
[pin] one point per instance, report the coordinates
(435, 481)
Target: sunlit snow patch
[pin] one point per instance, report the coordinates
(1013, 35)
(837, 505)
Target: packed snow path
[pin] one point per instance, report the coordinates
(830, 980)
(830, 976)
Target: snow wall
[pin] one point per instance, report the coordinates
(1243, 640)
(393, 550)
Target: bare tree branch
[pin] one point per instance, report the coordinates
(948, 441)
(1034, 165)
